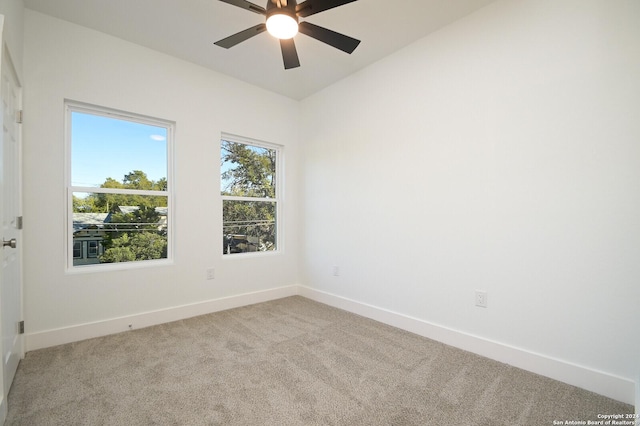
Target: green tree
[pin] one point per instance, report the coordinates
(85, 205)
(110, 203)
(119, 251)
(249, 171)
(137, 179)
(149, 245)
(141, 246)
(140, 217)
(137, 219)
(134, 233)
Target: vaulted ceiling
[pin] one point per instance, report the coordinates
(187, 29)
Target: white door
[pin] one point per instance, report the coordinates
(10, 221)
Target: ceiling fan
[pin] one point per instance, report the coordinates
(282, 22)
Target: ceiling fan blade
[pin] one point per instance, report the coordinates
(247, 5)
(311, 7)
(232, 40)
(289, 54)
(332, 38)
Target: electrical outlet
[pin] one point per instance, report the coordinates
(211, 273)
(481, 299)
(335, 271)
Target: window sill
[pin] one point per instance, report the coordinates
(251, 255)
(121, 266)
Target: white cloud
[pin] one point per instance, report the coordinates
(158, 137)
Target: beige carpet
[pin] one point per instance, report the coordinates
(286, 362)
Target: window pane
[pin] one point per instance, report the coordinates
(120, 227)
(248, 226)
(104, 148)
(77, 249)
(118, 162)
(247, 170)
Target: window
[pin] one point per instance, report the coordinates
(118, 187)
(77, 249)
(92, 250)
(249, 177)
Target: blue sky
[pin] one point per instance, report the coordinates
(105, 147)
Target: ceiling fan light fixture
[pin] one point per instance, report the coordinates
(282, 25)
(282, 17)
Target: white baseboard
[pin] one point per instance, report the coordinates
(75, 333)
(4, 409)
(638, 401)
(618, 388)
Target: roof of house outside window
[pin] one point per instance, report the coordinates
(85, 220)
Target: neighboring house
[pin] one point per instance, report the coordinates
(239, 244)
(162, 212)
(88, 234)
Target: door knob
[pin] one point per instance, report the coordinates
(11, 243)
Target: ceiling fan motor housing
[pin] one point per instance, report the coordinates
(289, 9)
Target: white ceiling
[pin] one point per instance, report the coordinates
(187, 29)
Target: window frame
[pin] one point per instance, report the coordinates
(278, 198)
(70, 107)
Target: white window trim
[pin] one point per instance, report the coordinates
(75, 106)
(279, 198)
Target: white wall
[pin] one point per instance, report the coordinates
(501, 153)
(13, 31)
(63, 60)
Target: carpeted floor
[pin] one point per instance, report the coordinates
(287, 362)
